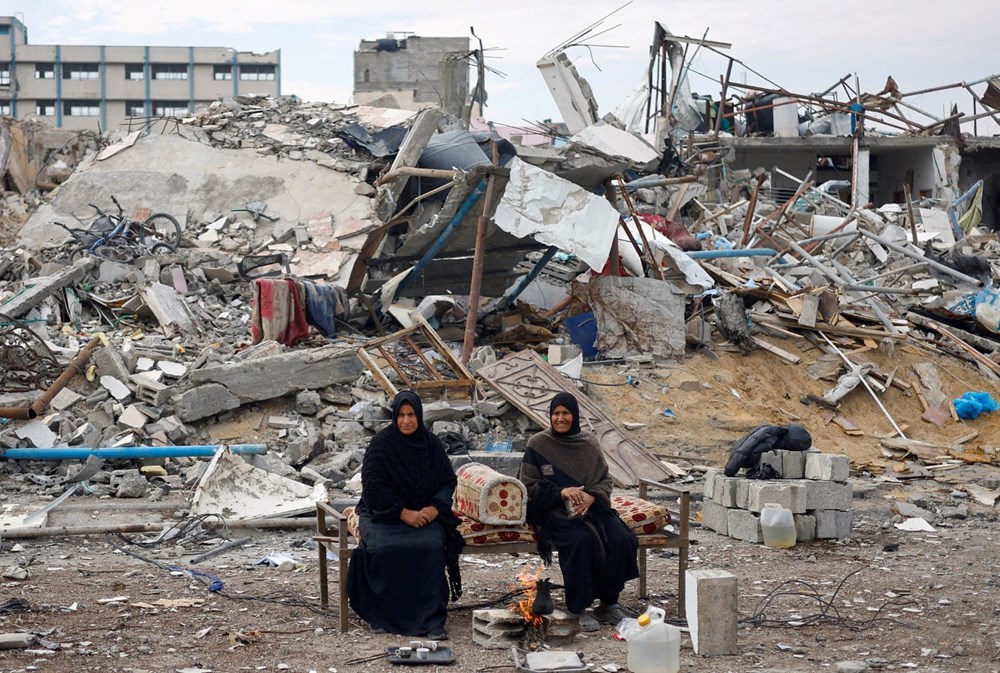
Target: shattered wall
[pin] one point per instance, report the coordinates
(637, 315)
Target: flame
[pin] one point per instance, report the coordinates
(527, 580)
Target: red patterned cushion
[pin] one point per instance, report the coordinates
(486, 495)
(477, 533)
(641, 516)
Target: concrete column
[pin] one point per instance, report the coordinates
(711, 611)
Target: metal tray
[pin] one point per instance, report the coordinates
(520, 658)
(438, 657)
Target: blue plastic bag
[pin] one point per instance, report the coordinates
(970, 405)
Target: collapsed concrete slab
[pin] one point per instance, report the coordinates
(269, 377)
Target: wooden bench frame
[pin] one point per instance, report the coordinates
(339, 542)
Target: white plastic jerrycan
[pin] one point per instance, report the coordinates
(656, 647)
(778, 526)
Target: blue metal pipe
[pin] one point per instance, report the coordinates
(126, 452)
(716, 254)
(526, 281)
(443, 237)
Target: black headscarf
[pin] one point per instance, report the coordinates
(422, 438)
(566, 400)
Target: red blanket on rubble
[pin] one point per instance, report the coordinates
(279, 311)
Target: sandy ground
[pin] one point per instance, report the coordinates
(918, 601)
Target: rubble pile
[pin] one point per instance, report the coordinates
(449, 260)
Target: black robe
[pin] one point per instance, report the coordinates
(597, 551)
(396, 580)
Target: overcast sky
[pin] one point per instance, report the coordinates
(804, 47)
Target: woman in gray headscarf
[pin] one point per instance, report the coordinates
(569, 500)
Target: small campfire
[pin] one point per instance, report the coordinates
(530, 622)
(529, 580)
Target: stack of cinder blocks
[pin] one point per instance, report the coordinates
(813, 486)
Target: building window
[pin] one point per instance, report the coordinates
(170, 108)
(135, 108)
(45, 71)
(5, 29)
(222, 71)
(45, 108)
(5, 108)
(169, 70)
(81, 108)
(135, 71)
(257, 73)
(368, 75)
(81, 71)
(4, 74)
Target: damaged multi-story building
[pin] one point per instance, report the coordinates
(79, 87)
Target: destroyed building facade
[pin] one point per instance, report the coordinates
(415, 71)
(77, 87)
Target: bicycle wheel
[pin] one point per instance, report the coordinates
(77, 253)
(161, 228)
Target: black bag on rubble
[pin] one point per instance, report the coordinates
(747, 451)
(454, 443)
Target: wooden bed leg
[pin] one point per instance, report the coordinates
(324, 590)
(345, 561)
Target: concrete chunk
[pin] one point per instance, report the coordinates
(791, 496)
(711, 611)
(204, 401)
(710, 476)
(110, 363)
(273, 376)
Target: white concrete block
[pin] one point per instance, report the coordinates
(805, 527)
(827, 467)
(832, 524)
(715, 517)
(828, 495)
(710, 476)
(725, 491)
(793, 464)
(711, 611)
(744, 525)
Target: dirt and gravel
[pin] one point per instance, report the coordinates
(885, 599)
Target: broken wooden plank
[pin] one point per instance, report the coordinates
(790, 358)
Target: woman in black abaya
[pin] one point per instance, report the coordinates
(396, 581)
(569, 500)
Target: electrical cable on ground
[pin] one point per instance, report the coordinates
(829, 613)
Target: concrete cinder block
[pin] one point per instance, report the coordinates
(725, 491)
(772, 458)
(711, 611)
(710, 476)
(742, 492)
(832, 524)
(805, 527)
(827, 495)
(791, 496)
(715, 517)
(793, 464)
(744, 525)
(827, 467)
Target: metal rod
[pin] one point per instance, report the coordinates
(476, 282)
(218, 550)
(735, 252)
(909, 210)
(39, 405)
(442, 238)
(657, 271)
(527, 280)
(864, 382)
(913, 255)
(127, 452)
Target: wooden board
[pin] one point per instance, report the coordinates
(530, 383)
